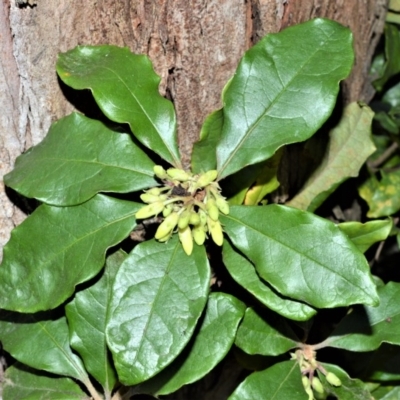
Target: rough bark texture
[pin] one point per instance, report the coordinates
(194, 44)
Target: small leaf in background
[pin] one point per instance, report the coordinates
(268, 336)
(392, 96)
(349, 147)
(382, 197)
(283, 90)
(365, 235)
(24, 383)
(281, 381)
(78, 158)
(125, 87)
(366, 328)
(387, 393)
(86, 315)
(158, 295)
(392, 56)
(350, 389)
(204, 157)
(56, 248)
(301, 255)
(210, 345)
(41, 342)
(244, 273)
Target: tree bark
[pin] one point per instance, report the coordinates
(195, 46)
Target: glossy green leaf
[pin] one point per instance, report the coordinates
(204, 157)
(382, 197)
(392, 96)
(365, 235)
(243, 272)
(125, 87)
(351, 389)
(349, 147)
(78, 158)
(23, 383)
(283, 90)
(268, 335)
(42, 342)
(210, 345)
(301, 255)
(56, 248)
(392, 55)
(366, 328)
(387, 393)
(159, 294)
(281, 381)
(86, 316)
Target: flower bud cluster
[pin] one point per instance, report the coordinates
(307, 361)
(190, 205)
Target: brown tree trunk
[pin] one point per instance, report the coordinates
(195, 46)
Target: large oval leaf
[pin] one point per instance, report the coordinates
(281, 381)
(158, 295)
(244, 273)
(125, 87)
(56, 248)
(86, 315)
(40, 342)
(283, 90)
(78, 158)
(302, 256)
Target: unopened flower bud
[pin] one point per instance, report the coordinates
(212, 209)
(167, 210)
(305, 381)
(222, 205)
(151, 198)
(199, 235)
(155, 191)
(206, 178)
(216, 231)
(178, 174)
(167, 225)
(317, 385)
(160, 172)
(333, 379)
(194, 218)
(184, 218)
(165, 238)
(203, 217)
(150, 210)
(185, 236)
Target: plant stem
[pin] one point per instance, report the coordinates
(93, 392)
(384, 156)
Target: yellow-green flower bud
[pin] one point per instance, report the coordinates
(194, 218)
(317, 385)
(150, 210)
(160, 172)
(178, 174)
(307, 387)
(199, 235)
(155, 191)
(216, 231)
(333, 379)
(151, 198)
(167, 225)
(167, 210)
(165, 238)
(212, 209)
(184, 218)
(203, 217)
(222, 204)
(185, 236)
(206, 178)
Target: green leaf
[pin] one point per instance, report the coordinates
(159, 294)
(366, 328)
(281, 381)
(392, 96)
(204, 157)
(23, 383)
(392, 66)
(86, 316)
(78, 158)
(387, 393)
(349, 147)
(351, 389)
(243, 272)
(125, 87)
(382, 197)
(210, 345)
(268, 336)
(302, 256)
(42, 342)
(365, 235)
(56, 248)
(283, 90)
